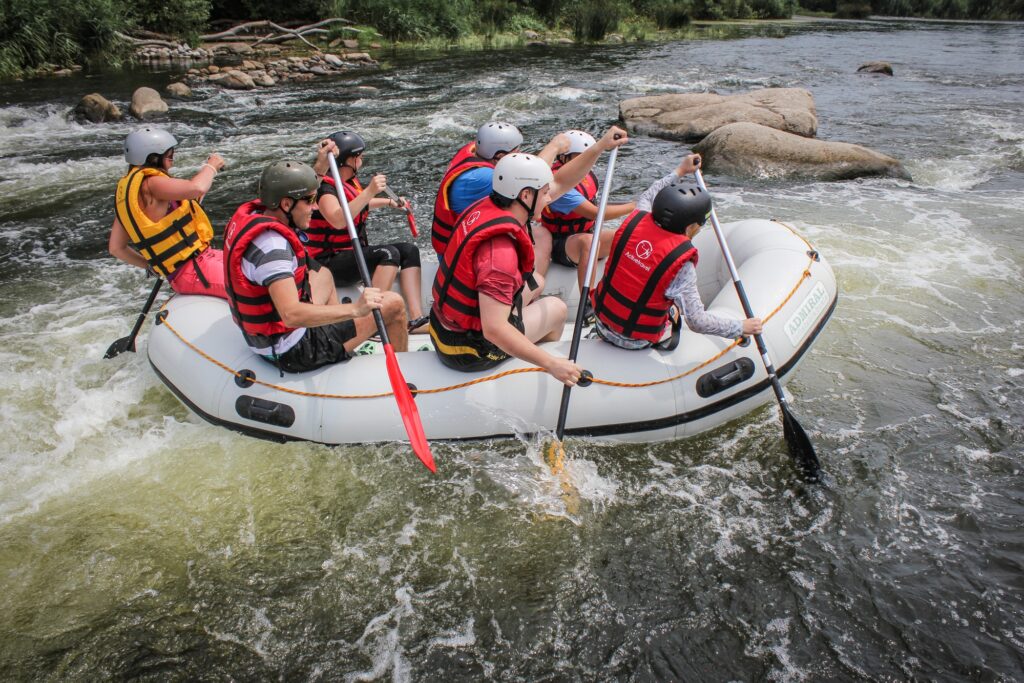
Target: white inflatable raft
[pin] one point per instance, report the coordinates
(648, 395)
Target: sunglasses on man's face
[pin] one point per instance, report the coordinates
(309, 199)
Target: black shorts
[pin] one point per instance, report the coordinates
(320, 346)
(467, 351)
(344, 268)
(558, 254)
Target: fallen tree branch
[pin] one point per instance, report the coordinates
(249, 25)
(143, 42)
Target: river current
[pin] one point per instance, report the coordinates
(138, 541)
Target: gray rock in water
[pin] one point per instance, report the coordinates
(334, 60)
(262, 78)
(178, 91)
(239, 48)
(876, 68)
(690, 117)
(95, 108)
(146, 102)
(748, 149)
(367, 90)
(233, 80)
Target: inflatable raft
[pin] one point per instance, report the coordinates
(199, 353)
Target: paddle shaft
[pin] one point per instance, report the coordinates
(577, 332)
(408, 210)
(799, 445)
(742, 294)
(128, 343)
(364, 271)
(403, 396)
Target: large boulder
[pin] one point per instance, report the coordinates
(95, 108)
(146, 102)
(690, 117)
(749, 149)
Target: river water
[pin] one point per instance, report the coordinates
(137, 541)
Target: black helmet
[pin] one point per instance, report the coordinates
(286, 179)
(349, 144)
(680, 205)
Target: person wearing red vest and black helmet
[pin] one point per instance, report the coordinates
(483, 313)
(158, 223)
(652, 266)
(570, 218)
(283, 301)
(469, 176)
(329, 242)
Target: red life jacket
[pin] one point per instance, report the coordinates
(444, 218)
(455, 286)
(324, 238)
(644, 260)
(571, 223)
(251, 305)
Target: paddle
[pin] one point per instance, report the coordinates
(406, 405)
(556, 453)
(799, 444)
(408, 210)
(128, 343)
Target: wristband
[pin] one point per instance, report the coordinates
(206, 163)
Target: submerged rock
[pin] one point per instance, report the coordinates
(876, 68)
(146, 102)
(749, 149)
(690, 117)
(95, 108)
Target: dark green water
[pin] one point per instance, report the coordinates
(137, 541)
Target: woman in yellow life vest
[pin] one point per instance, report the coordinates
(159, 224)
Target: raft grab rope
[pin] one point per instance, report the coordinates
(246, 377)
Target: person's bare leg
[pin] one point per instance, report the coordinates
(321, 287)
(530, 295)
(393, 310)
(384, 277)
(544, 320)
(409, 282)
(395, 320)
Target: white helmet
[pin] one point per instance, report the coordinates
(141, 143)
(496, 137)
(516, 172)
(579, 141)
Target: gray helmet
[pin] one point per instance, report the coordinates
(679, 205)
(286, 179)
(495, 137)
(145, 141)
(349, 144)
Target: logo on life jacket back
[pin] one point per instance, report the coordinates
(644, 249)
(471, 219)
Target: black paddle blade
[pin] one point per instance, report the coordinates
(800, 447)
(120, 346)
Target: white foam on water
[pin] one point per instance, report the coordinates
(381, 642)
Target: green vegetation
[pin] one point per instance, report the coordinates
(65, 32)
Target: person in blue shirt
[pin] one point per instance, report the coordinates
(469, 177)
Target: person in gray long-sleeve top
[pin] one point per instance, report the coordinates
(652, 266)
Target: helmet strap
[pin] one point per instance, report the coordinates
(288, 213)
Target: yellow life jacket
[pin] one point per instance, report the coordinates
(170, 241)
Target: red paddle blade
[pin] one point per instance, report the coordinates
(410, 413)
(412, 223)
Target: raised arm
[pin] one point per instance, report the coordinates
(570, 175)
